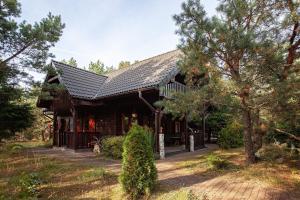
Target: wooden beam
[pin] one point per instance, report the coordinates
(52, 79)
(146, 102)
(80, 102)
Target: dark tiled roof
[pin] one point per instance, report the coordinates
(80, 83)
(148, 73)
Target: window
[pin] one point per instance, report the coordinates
(91, 124)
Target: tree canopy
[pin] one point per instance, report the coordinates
(124, 64)
(24, 47)
(253, 46)
(71, 62)
(98, 67)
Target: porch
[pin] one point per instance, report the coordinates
(87, 122)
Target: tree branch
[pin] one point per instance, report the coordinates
(289, 134)
(17, 53)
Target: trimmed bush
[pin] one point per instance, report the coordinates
(139, 173)
(113, 146)
(231, 136)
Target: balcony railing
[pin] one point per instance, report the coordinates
(171, 88)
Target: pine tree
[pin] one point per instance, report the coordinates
(23, 46)
(247, 44)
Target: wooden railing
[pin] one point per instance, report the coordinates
(171, 88)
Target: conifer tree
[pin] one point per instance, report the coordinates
(254, 46)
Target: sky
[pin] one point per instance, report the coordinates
(111, 30)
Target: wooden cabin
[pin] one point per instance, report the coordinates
(93, 105)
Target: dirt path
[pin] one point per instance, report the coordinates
(176, 176)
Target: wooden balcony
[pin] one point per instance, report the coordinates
(174, 87)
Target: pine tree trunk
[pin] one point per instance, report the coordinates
(257, 135)
(43, 135)
(249, 150)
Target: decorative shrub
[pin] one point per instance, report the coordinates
(113, 146)
(216, 162)
(139, 173)
(231, 136)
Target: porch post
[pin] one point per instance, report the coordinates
(161, 145)
(55, 136)
(186, 136)
(192, 143)
(156, 119)
(75, 135)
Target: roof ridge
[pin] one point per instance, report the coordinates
(79, 68)
(142, 61)
(130, 67)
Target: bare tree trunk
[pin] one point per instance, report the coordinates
(249, 150)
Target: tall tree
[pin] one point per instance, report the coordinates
(71, 62)
(24, 47)
(247, 43)
(98, 67)
(123, 64)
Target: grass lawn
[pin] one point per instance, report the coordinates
(25, 175)
(285, 175)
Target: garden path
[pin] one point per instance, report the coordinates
(177, 176)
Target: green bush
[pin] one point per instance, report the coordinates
(139, 173)
(14, 148)
(231, 136)
(216, 162)
(113, 146)
(28, 184)
(149, 135)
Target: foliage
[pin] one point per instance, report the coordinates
(94, 174)
(24, 47)
(113, 146)
(246, 45)
(13, 118)
(139, 173)
(14, 148)
(150, 136)
(39, 129)
(231, 136)
(124, 64)
(216, 162)
(29, 183)
(98, 67)
(71, 62)
(275, 152)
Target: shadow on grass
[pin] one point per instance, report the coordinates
(72, 189)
